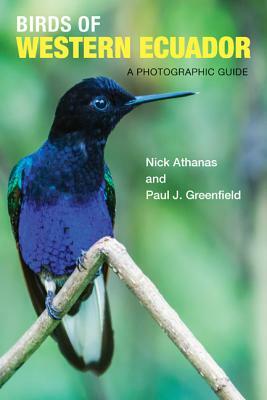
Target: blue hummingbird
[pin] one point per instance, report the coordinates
(61, 200)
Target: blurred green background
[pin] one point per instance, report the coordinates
(207, 258)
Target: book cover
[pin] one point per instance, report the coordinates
(145, 122)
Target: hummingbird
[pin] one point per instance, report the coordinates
(61, 200)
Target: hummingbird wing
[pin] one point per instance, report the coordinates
(110, 196)
(14, 193)
(14, 201)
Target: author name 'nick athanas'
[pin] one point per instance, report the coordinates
(192, 195)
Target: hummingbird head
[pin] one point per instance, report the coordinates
(95, 105)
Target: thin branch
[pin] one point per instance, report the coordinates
(122, 264)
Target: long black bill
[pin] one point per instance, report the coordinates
(156, 97)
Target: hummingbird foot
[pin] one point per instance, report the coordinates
(80, 264)
(81, 260)
(53, 312)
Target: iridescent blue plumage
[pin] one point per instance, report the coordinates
(64, 208)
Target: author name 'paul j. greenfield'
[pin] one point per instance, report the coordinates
(192, 195)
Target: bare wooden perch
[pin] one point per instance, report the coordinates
(121, 263)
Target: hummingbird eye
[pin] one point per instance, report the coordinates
(100, 103)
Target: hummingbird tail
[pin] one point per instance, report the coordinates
(87, 329)
(86, 338)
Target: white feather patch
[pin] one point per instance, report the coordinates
(85, 329)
